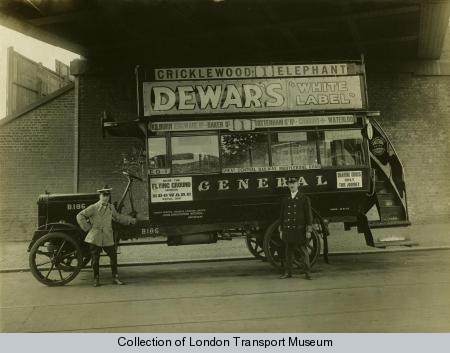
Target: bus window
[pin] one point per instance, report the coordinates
(195, 154)
(293, 148)
(157, 154)
(341, 148)
(242, 150)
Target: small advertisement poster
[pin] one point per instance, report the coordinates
(349, 179)
(171, 189)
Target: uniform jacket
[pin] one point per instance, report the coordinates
(295, 216)
(97, 221)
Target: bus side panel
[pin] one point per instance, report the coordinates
(253, 196)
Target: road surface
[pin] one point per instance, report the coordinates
(385, 292)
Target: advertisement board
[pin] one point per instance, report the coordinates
(258, 71)
(252, 95)
(171, 189)
(251, 183)
(243, 195)
(252, 124)
(349, 179)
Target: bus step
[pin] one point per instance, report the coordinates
(380, 182)
(392, 213)
(386, 199)
(388, 224)
(381, 187)
(394, 241)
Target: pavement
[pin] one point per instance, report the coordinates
(14, 256)
(382, 292)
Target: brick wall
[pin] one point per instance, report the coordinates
(101, 160)
(36, 154)
(415, 113)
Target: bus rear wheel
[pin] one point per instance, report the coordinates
(273, 247)
(255, 246)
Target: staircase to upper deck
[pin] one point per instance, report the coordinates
(389, 192)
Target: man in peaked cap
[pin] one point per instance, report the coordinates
(295, 226)
(96, 220)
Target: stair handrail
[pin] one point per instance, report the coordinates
(388, 140)
(373, 179)
(382, 168)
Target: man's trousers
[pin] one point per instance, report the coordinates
(288, 257)
(95, 258)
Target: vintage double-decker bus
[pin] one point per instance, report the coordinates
(219, 142)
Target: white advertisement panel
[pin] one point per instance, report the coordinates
(252, 95)
(349, 179)
(174, 189)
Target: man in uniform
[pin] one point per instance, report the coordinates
(295, 226)
(97, 221)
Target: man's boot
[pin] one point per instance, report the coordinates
(307, 276)
(286, 275)
(117, 281)
(96, 282)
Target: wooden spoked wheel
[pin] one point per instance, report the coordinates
(55, 259)
(274, 246)
(255, 246)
